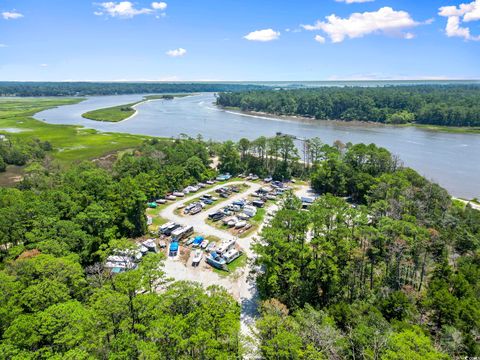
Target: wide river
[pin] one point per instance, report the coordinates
(452, 160)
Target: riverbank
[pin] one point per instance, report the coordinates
(124, 112)
(69, 142)
(260, 114)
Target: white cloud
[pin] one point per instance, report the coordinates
(263, 35)
(385, 21)
(159, 6)
(11, 15)
(458, 15)
(44, 65)
(177, 52)
(354, 1)
(320, 39)
(126, 9)
(3, 46)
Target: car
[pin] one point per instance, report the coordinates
(204, 244)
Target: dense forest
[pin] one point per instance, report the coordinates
(56, 228)
(446, 105)
(382, 266)
(15, 152)
(117, 88)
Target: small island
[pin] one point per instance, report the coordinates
(124, 112)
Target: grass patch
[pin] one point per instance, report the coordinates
(70, 143)
(236, 264)
(112, 114)
(259, 216)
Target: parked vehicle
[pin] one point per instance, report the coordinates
(250, 210)
(197, 257)
(171, 197)
(173, 249)
(197, 241)
(211, 247)
(268, 179)
(164, 227)
(240, 224)
(232, 222)
(150, 245)
(195, 210)
(215, 260)
(217, 216)
(204, 244)
(240, 203)
(258, 203)
(231, 255)
(152, 205)
(243, 216)
(189, 241)
(171, 229)
(226, 245)
(182, 232)
(178, 194)
(161, 201)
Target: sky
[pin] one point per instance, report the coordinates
(239, 40)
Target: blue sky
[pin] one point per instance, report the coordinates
(244, 40)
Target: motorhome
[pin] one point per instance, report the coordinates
(182, 232)
(250, 210)
(231, 255)
(226, 245)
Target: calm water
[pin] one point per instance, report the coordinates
(452, 160)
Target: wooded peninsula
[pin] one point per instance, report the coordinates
(442, 105)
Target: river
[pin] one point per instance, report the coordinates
(450, 159)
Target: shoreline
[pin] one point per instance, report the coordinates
(133, 106)
(371, 124)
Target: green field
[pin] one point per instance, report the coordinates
(122, 112)
(112, 114)
(70, 143)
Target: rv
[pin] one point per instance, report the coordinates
(231, 255)
(226, 245)
(182, 232)
(258, 203)
(250, 210)
(171, 229)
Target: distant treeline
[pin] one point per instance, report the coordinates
(92, 88)
(449, 105)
